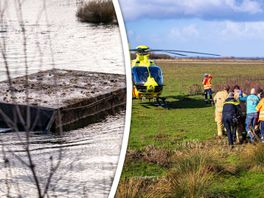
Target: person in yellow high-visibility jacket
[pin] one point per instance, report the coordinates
(260, 109)
(219, 100)
(207, 83)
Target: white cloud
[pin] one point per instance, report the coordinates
(247, 6)
(245, 30)
(183, 33)
(206, 9)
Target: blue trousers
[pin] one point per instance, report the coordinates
(250, 123)
(208, 94)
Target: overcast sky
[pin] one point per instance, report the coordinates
(226, 27)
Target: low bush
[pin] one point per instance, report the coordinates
(195, 89)
(97, 11)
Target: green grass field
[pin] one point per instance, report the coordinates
(158, 134)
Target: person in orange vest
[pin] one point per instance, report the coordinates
(260, 109)
(207, 83)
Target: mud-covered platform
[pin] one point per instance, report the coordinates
(60, 100)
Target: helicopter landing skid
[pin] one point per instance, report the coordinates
(161, 102)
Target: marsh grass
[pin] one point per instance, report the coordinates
(97, 11)
(194, 167)
(191, 175)
(253, 158)
(134, 187)
(157, 156)
(189, 184)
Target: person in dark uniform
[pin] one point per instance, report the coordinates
(230, 114)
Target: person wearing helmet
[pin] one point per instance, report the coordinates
(219, 100)
(252, 101)
(207, 83)
(231, 111)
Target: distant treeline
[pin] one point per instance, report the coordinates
(155, 56)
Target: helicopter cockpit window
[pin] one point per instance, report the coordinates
(156, 73)
(140, 75)
(143, 52)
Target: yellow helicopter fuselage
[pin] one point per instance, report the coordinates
(148, 88)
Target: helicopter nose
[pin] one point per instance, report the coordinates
(151, 88)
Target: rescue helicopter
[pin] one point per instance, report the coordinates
(147, 77)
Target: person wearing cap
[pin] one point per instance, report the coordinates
(252, 101)
(207, 83)
(231, 110)
(260, 109)
(219, 100)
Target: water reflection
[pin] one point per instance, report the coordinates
(89, 157)
(74, 45)
(90, 154)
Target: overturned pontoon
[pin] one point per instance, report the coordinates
(60, 100)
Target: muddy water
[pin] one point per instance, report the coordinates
(58, 40)
(89, 155)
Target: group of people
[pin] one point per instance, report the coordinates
(241, 116)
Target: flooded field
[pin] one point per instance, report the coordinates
(55, 39)
(59, 40)
(89, 159)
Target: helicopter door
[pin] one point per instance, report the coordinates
(140, 75)
(156, 73)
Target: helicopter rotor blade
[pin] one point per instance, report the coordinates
(164, 52)
(183, 51)
(175, 53)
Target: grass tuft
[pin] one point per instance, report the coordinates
(97, 11)
(134, 187)
(195, 159)
(253, 157)
(157, 156)
(190, 176)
